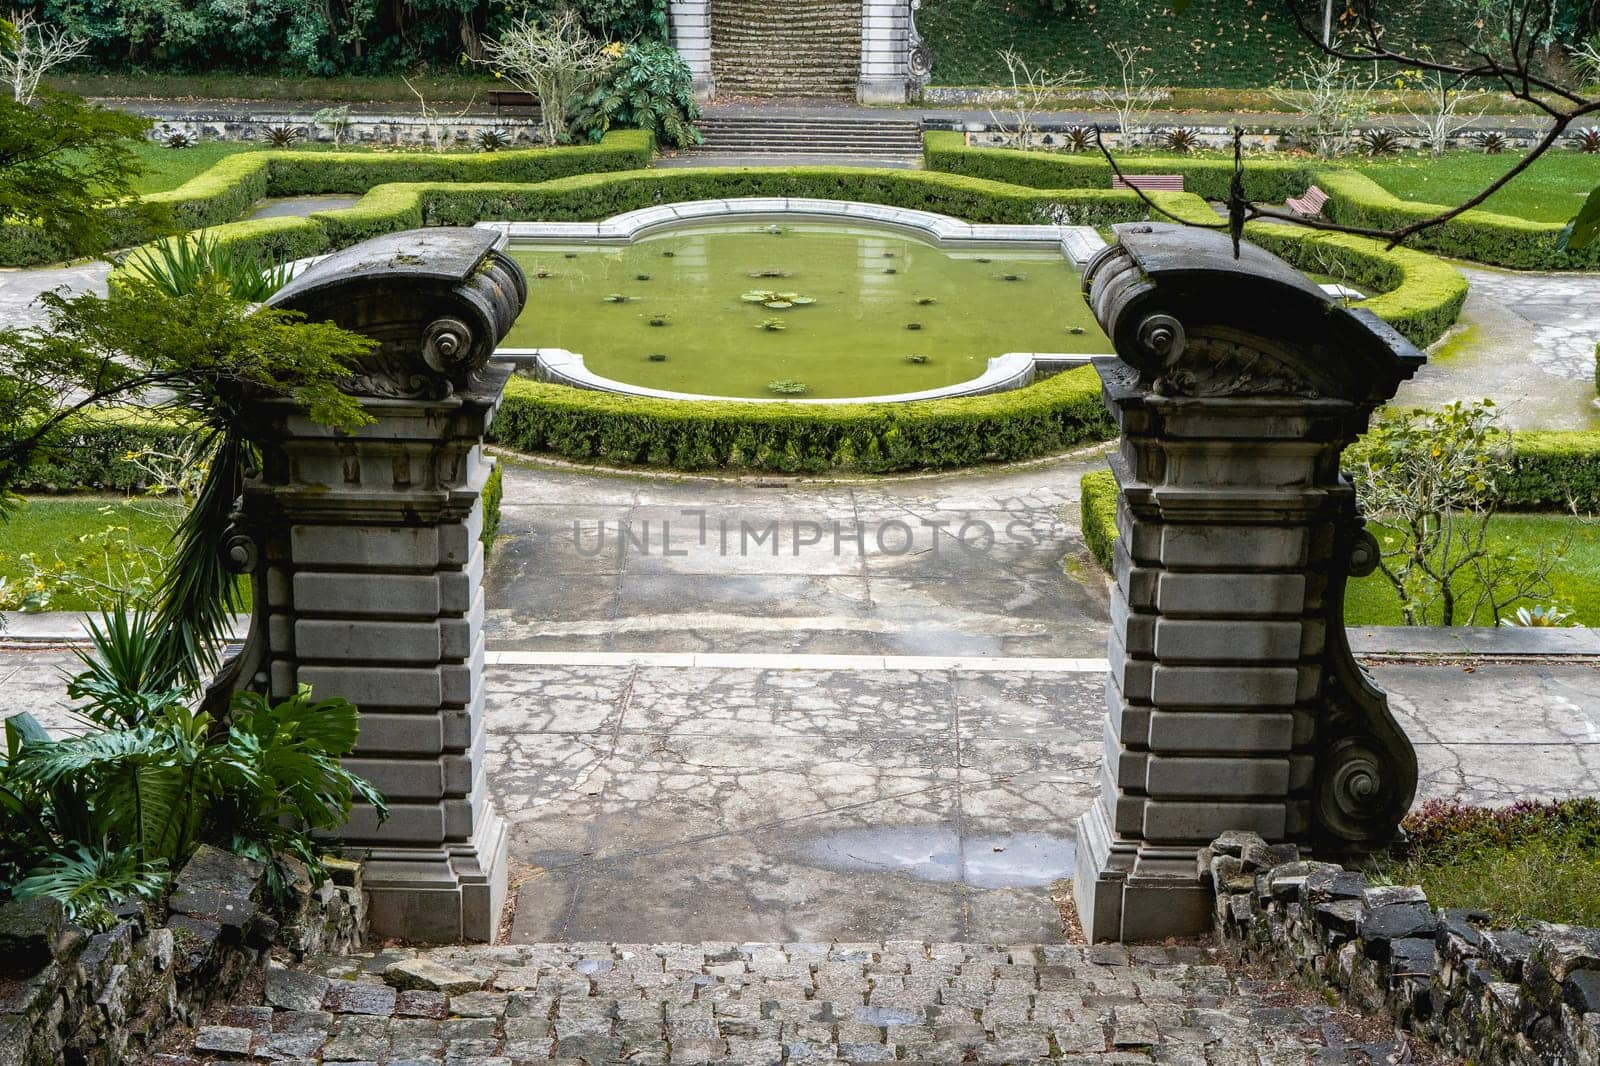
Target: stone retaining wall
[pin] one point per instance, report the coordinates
(71, 995)
(1529, 998)
(519, 125)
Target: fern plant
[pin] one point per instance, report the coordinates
(102, 818)
(649, 87)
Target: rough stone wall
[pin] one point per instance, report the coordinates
(1490, 996)
(71, 995)
(519, 125)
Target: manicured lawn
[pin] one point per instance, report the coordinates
(167, 168)
(50, 526)
(1551, 190)
(1371, 601)
(1520, 864)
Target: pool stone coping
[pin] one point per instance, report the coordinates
(1013, 370)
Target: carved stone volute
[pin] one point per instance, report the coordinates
(1235, 703)
(1195, 321)
(437, 300)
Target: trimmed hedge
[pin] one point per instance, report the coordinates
(1353, 198)
(91, 452)
(1097, 514)
(1482, 236)
(226, 190)
(1417, 294)
(1265, 179)
(1045, 417)
(1552, 470)
(493, 493)
(587, 197)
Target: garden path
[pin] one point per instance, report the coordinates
(1525, 340)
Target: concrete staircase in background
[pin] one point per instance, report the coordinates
(802, 48)
(756, 134)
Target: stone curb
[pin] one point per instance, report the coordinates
(1528, 998)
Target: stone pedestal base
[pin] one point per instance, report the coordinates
(1126, 892)
(882, 91)
(441, 895)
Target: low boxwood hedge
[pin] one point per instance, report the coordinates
(94, 452)
(1045, 417)
(226, 190)
(1266, 179)
(1097, 514)
(1551, 470)
(1353, 198)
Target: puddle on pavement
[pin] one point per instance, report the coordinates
(1012, 860)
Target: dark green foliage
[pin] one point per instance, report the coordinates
(493, 490)
(61, 162)
(1484, 236)
(1531, 861)
(91, 452)
(1213, 43)
(225, 191)
(284, 136)
(1267, 180)
(703, 435)
(1097, 501)
(1587, 140)
(1552, 471)
(494, 140)
(98, 819)
(182, 266)
(648, 87)
(1379, 142)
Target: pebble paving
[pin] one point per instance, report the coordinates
(781, 1003)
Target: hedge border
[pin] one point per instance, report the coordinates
(1353, 198)
(1551, 470)
(225, 190)
(1046, 417)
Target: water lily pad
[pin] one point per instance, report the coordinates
(657, 357)
(913, 325)
(615, 298)
(641, 277)
(771, 325)
(658, 321)
(924, 301)
(777, 305)
(767, 274)
(668, 255)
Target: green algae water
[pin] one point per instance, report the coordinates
(727, 309)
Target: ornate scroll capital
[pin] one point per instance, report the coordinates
(1196, 322)
(437, 300)
(919, 57)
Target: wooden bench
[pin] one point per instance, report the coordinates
(1310, 205)
(1147, 182)
(511, 98)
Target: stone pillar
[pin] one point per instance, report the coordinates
(893, 57)
(689, 27)
(370, 576)
(1233, 702)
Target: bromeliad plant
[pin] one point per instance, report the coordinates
(185, 265)
(104, 818)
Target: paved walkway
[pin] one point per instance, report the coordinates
(21, 289)
(754, 1004)
(1529, 343)
(977, 563)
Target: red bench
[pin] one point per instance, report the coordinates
(1310, 205)
(1147, 182)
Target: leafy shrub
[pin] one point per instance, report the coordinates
(1379, 142)
(493, 492)
(1552, 471)
(182, 266)
(1097, 500)
(1046, 417)
(648, 87)
(284, 136)
(1530, 861)
(1492, 142)
(224, 192)
(1180, 139)
(493, 140)
(97, 819)
(1587, 140)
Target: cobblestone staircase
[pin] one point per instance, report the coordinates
(779, 1003)
(800, 48)
(754, 134)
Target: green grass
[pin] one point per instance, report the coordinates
(1551, 190)
(1371, 601)
(167, 168)
(50, 526)
(1525, 863)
